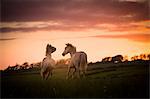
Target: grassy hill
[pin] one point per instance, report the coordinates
(130, 79)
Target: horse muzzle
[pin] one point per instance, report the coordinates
(63, 54)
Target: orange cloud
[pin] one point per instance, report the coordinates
(6, 39)
(138, 27)
(145, 38)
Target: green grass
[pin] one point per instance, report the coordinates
(128, 81)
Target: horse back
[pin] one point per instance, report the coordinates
(79, 59)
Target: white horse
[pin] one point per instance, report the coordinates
(78, 60)
(47, 65)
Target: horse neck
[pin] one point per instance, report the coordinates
(49, 55)
(72, 52)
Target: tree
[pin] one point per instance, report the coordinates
(62, 61)
(148, 56)
(16, 67)
(125, 58)
(31, 65)
(25, 65)
(135, 58)
(142, 56)
(106, 59)
(117, 58)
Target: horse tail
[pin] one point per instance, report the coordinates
(83, 61)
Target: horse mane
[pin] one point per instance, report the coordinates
(74, 48)
(47, 48)
(68, 44)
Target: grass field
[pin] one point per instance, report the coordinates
(113, 80)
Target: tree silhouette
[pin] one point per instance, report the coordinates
(63, 61)
(135, 58)
(25, 65)
(117, 58)
(148, 56)
(125, 58)
(143, 56)
(106, 59)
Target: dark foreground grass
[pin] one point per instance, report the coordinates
(127, 81)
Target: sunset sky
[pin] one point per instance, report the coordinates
(99, 27)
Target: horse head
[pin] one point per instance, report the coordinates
(50, 49)
(69, 49)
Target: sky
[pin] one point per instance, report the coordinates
(98, 27)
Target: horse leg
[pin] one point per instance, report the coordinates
(51, 73)
(73, 73)
(42, 75)
(84, 70)
(83, 73)
(47, 75)
(68, 72)
(78, 72)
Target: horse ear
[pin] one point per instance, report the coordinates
(68, 44)
(47, 45)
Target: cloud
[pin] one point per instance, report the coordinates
(74, 11)
(145, 38)
(7, 27)
(6, 39)
(73, 15)
(44, 28)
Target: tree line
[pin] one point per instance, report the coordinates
(120, 58)
(65, 62)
